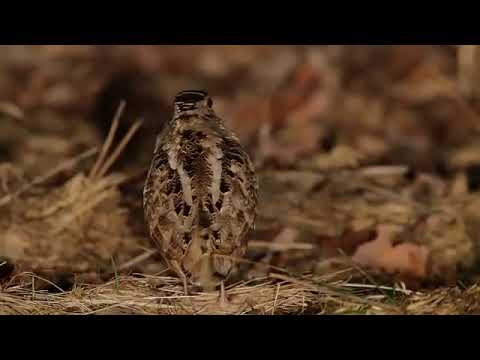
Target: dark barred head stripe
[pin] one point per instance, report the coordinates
(199, 92)
(190, 96)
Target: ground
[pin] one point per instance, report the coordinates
(367, 157)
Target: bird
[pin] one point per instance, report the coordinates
(200, 195)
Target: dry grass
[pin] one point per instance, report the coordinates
(162, 295)
(144, 294)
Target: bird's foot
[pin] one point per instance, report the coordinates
(223, 299)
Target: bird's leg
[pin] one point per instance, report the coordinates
(184, 280)
(223, 300)
(185, 285)
(176, 267)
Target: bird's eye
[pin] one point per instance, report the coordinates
(209, 102)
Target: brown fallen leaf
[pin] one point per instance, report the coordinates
(406, 259)
(316, 106)
(342, 156)
(347, 243)
(295, 92)
(245, 115)
(294, 142)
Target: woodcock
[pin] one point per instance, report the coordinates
(200, 194)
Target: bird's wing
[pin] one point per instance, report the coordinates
(238, 190)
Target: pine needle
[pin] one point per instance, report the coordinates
(114, 156)
(108, 142)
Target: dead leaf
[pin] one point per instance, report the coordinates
(342, 156)
(405, 259)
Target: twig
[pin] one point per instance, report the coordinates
(242, 260)
(276, 297)
(42, 178)
(383, 170)
(379, 287)
(113, 157)
(395, 197)
(114, 266)
(35, 276)
(136, 260)
(275, 246)
(331, 292)
(299, 220)
(108, 142)
(11, 109)
(357, 267)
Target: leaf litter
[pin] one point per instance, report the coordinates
(366, 158)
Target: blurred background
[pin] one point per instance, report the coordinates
(298, 110)
(391, 104)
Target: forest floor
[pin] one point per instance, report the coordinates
(368, 159)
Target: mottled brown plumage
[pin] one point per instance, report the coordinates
(200, 195)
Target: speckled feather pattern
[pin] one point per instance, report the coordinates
(200, 196)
